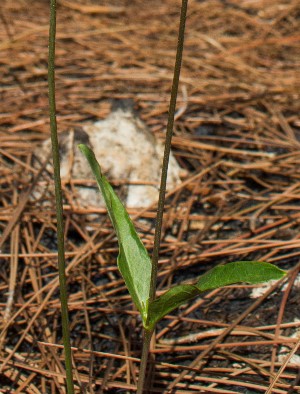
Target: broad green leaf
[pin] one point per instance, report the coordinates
(133, 260)
(222, 275)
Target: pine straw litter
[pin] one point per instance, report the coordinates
(237, 136)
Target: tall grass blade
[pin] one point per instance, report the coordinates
(58, 200)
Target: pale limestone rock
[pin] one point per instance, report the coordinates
(125, 149)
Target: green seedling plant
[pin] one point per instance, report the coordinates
(135, 264)
(138, 270)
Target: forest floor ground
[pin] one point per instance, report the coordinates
(237, 136)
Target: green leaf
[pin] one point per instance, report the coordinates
(240, 271)
(133, 261)
(222, 275)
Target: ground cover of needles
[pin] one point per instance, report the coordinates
(237, 138)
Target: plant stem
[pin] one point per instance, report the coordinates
(169, 134)
(144, 360)
(58, 199)
(162, 192)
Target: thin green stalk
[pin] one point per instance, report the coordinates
(169, 134)
(144, 360)
(162, 192)
(58, 198)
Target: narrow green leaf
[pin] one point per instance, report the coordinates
(169, 301)
(241, 271)
(133, 261)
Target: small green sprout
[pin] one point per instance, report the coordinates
(135, 264)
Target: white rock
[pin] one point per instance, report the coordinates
(262, 288)
(284, 351)
(125, 149)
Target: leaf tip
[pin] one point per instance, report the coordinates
(84, 149)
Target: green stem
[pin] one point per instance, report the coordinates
(58, 199)
(144, 361)
(170, 124)
(163, 184)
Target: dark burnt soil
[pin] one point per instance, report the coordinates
(236, 136)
